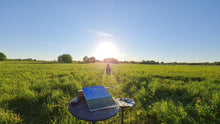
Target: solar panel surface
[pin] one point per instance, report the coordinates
(97, 97)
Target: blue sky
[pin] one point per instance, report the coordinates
(162, 30)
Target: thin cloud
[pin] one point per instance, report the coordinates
(103, 34)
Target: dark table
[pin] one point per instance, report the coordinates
(80, 110)
(124, 105)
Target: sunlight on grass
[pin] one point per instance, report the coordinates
(40, 93)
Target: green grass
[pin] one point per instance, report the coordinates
(37, 92)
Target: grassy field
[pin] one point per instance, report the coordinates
(35, 92)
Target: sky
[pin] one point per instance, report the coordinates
(159, 30)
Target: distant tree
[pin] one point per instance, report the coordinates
(92, 60)
(85, 59)
(2, 57)
(110, 60)
(149, 62)
(174, 63)
(65, 58)
(216, 63)
(89, 60)
(29, 59)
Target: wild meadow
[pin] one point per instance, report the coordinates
(39, 92)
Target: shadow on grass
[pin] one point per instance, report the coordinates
(31, 110)
(181, 78)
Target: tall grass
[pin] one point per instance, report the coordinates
(172, 94)
(33, 92)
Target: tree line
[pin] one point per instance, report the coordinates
(170, 63)
(67, 58)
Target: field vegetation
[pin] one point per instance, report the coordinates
(39, 92)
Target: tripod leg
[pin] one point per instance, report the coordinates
(122, 118)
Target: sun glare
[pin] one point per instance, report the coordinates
(106, 50)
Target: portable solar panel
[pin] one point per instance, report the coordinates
(97, 97)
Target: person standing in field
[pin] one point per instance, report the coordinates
(108, 69)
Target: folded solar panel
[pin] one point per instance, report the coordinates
(97, 98)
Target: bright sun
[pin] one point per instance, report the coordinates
(106, 50)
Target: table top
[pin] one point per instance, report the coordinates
(81, 111)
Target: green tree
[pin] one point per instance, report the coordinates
(2, 57)
(65, 58)
(110, 60)
(92, 60)
(85, 59)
